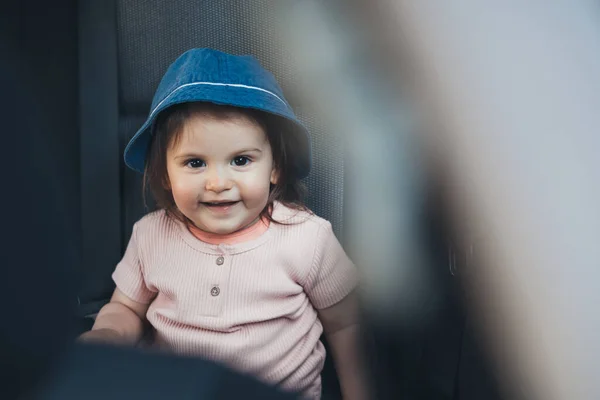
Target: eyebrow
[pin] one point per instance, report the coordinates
(249, 150)
(188, 155)
(198, 155)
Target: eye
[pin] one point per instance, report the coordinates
(240, 161)
(195, 163)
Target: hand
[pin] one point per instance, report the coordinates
(108, 336)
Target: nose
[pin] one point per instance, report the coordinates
(217, 180)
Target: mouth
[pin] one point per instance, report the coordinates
(219, 203)
(219, 206)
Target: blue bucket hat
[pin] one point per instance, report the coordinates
(212, 76)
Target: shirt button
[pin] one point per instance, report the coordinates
(220, 260)
(215, 291)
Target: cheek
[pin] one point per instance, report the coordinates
(255, 190)
(184, 192)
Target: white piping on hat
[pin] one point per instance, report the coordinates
(215, 84)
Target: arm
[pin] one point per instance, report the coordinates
(121, 321)
(341, 326)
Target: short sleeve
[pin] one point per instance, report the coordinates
(333, 275)
(129, 274)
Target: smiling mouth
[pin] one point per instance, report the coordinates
(219, 204)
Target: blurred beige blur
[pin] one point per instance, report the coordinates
(500, 100)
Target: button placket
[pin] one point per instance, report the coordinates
(221, 273)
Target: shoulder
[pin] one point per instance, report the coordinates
(154, 236)
(152, 223)
(303, 229)
(301, 237)
(299, 220)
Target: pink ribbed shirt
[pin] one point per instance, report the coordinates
(250, 305)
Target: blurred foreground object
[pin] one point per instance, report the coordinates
(509, 93)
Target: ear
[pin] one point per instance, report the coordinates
(274, 176)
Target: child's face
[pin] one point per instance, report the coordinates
(220, 172)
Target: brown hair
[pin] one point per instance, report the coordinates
(167, 131)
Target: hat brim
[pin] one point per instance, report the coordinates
(238, 96)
